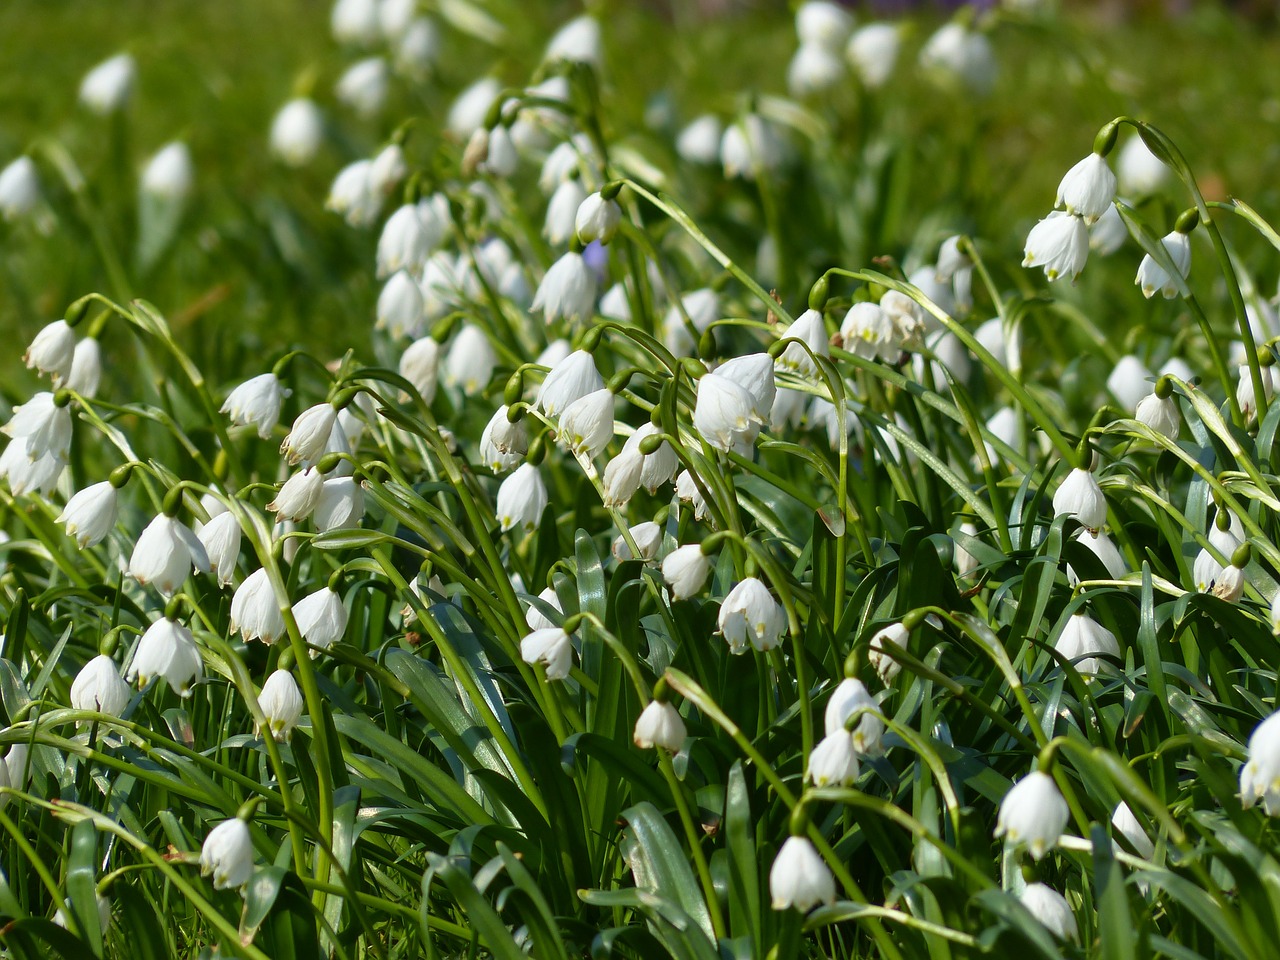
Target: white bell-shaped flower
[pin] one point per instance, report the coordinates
(1033, 813)
(702, 307)
(1102, 547)
(471, 108)
(1060, 244)
(699, 142)
(352, 195)
(106, 88)
(622, 476)
(823, 23)
(169, 174)
(873, 52)
(1260, 775)
(1088, 188)
(27, 474)
(167, 650)
(1160, 414)
(341, 505)
(1080, 496)
(881, 651)
(355, 22)
(52, 351)
(1128, 381)
(597, 219)
(401, 308)
(255, 611)
(648, 540)
(307, 438)
(90, 514)
(227, 853)
(586, 425)
(469, 362)
(799, 877)
(567, 291)
(364, 87)
(19, 189)
(724, 414)
(551, 647)
(1126, 825)
(221, 539)
(298, 495)
(404, 243)
(578, 41)
(99, 687)
(685, 570)
(955, 53)
(86, 368)
(165, 553)
(321, 618)
(833, 762)
(282, 704)
(1082, 639)
(521, 498)
(750, 616)
(297, 132)
(257, 401)
(1152, 277)
(503, 443)
(814, 69)
(687, 491)
(1051, 909)
(1246, 397)
(44, 424)
(562, 209)
(535, 618)
(659, 725)
(568, 381)
(870, 333)
(1108, 233)
(417, 49)
(750, 145)
(848, 698)
(1139, 171)
(420, 364)
(812, 332)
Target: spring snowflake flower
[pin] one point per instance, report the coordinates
(823, 23)
(1080, 496)
(355, 22)
(833, 762)
(52, 351)
(1245, 395)
(165, 554)
(470, 360)
(578, 41)
(660, 725)
(401, 307)
(167, 650)
(255, 612)
(1033, 813)
(883, 645)
(1128, 381)
(19, 189)
(221, 539)
(341, 505)
(569, 380)
(227, 853)
(1088, 188)
(470, 109)
(404, 243)
(297, 132)
(307, 438)
(419, 364)
(503, 444)
(1060, 244)
(648, 540)
(28, 474)
(1140, 172)
(1108, 233)
(873, 52)
(521, 498)
(1152, 277)
(956, 53)
(364, 87)
(699, 142)
(281, 703)
(298, 495)
(257, 401)
(535, 618)
(568, 290)
(44, 424)
(724, 414)
(810, 330)
(685, 570)
(352, 195)
(1052, 910)
(750, 145)
(749, 614)
(1260, 775)
(169, 174)
(586, 425)
(1126, 825)
(814, 69)
(868, 332)
(99, 687)
(106, 88)
(799, 877)
(1161, 414)
(321, 618)
(551, 647)
(86, 368)
(562, 210)
(597, 219)
(90, 514)
(1082, 640)
(848, 698)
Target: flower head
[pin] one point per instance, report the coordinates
(90, 514)
(19, 188)
(106, 88)
(1060, 244)
(1088, 188)
(257, 401)
(659, 725)
(1082, 639)
(165, 553)
(52, 351)
(1260, 775)
(255, 612)
(571, 379)
(297, 132)
(834, 761)
(1152, 277)
(749, 614)
(799, 877)
(568, 290)
(167, 650)
(521, 498)
(1034, 813)
(1052, 910)
(849, 698)
(1080, 496)
(586, 425)
(99, 687)
(322, 618)
(685, 570)
(309, 434)
(227, 853)
(281, 703)
(551, 647)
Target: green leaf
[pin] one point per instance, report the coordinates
(660, 866)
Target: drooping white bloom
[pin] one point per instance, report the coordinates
(297, 132)
(1080, 496)
(352, 195)
(310, 432)
(27, 474)
(699, 142)
(321, 618)
(1108, 233)
(1083, 637)
(257, 401)
(364, 86)
(418, 48)
(470, 361)
(1260, 775)
(622, 475)
(848, 698)
(956, 53)
(578, 41)
(750, 145)
(227, 853)
(569, 380)
(394, 17)
(1127, 825)
(1245, 395)
(568, 290)
(1102, 547)
(221, 540)
(298, 495)
(814, 69)
(90, 514)
(833, 762)
(597, 219)
(1088, 188)
(387, 169)
(355, 22)
(341, 505)
(1152, 277)
(167, 650)
(282, 705)
(503, 444)
(799, 877)
(586, 425)
(749, 614)
(1230, 583)
(255, 611)
(1033, 813)
(404, 243)
(1051, 909)
(165, 554)
(419, 365)
(521, 498)
(551, 647)
(44, 424)
(724, 414)
(823, 23)
(86, 368)
(1141, 172)
(702, 307)
(400, 307)
(810, 330)
(870, 333)
(494, 152)
(687, 490)
(659, 725)
(883, 645)
(535, 618)
(1060, 244)
(169, 174)
(661, 465)
(19, 188)
(685, 570)
(1129, 381)
(648, 540)
(98, 686)
(470, 110)
(562, 209)
(52, 351)
(1161, 414)
(873, 51)
(106, 88)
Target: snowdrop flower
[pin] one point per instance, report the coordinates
(1060, 244)
(321, 618)
(597, 219)
(873, 51)
(227, 853)
(1083, 637)
(1260, 775)
(1080, 496)
(648, 539)
(833, 762)
(1051, 909)
(341, 505)
(281, 703)
(352, 195)
(86, 368)
(954, 52)
(750, 614)
(1101, 546)
(298, 495)
(568, 290)
(221, 540)
(310, 432)
(90, 514)
(578, 41)
(1033, 813)
(1152, 277)
(364, 86)
(586, 425)
(1245, 395)
(724, 414)
(868, 332)
(255, 611)
(685, 570)
(169, 174)
(659, 725)
(257, 401)
(400, 307)
(1127, 825)
(470, 110)
(165, 554)
(660, 466)
(99, 687)
(470, 361)
(419, 365)
(848, 698)
(699, 142)
(1088, 188)
(297, 132)
(1128, 381)
(167, 650)
(52, 351)
(19, 189)
(799, 877)
(27, 474)
(883, 646)
(404, 243)
(823, 23)
(44, 424)
(1141, 172)
(749, 145)
(521, 499)
(106, 88)
(814, 69)
(1108, 233)
(562, 209)
(812, 332)
(535, 618)
(551, 647)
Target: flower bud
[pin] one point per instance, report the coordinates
(52, 351)
(297, 131)
(99, 687)
(255, 612)
(90, 514)
(281, 703)
(105, 89)
(597, 219)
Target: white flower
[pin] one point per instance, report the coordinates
(703, 309)
(387, 170)
(503, 444)
(659, 725)
(257, 401)
(86, 368)
(165, 553)
(568, 290)
(1260, 775)
(568, 381)
(813, 69)
(1127, 825)
(1083, 637)
(724, 414)
(647, 537)
(1108, 233)
(418, 48)
(27, 474)
(850, 697)
(52, 351)
(883, 645)
(1161, 414)
(1088, 188)
(298, 495)
(281, 703)
(1101, 546)
(578, 41)
(562, 211)
(470, 361)
(470, 110)
(699, 142)
(341, 505)
(1051, 909)
(167, 650)
(352, 195)
(321, 618)
(1080, 496)
(90, 514)
(221, 540)
(661, 465)
(106, 88)
(870, 333)
(810, 330)
(307, 438)
(749, 614)
(1229, 585)
(1152, 277)
(19, 188)
(500, 157)
(521, 498)
(597, 219)
(955, 52)
(1060, 244)
(622, 475)
(1245, 395)
(1034, 813)
(685, 570)
(1141, 172)
(750, 145)
(551, 647)
(873, 51)
(355, 22)
(419, 364)
(400, 307)
(99, 687)
(394, 17)
(535, 618)
(44, 424)
(363, 87)
(799, 877)
(227, 853)
(833, 761)
(297, 132)
(823, 23)
(404, 243)
(687, 490)
(169, 174)
(1128, 381)
(586, 425)
(255, 611)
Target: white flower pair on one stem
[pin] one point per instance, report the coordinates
(750, 616)
(632, 469)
